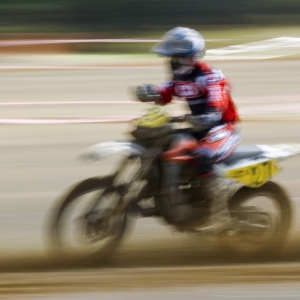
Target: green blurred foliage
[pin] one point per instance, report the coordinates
(137, 15)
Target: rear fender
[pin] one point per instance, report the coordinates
(280, 151)
(255, 172)
(251, 172)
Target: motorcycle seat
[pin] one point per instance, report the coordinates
(242, 152)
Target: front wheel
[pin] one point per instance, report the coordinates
(90, 220)
(261, 220)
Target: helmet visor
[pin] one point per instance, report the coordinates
(173, 47)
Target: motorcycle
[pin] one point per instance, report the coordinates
(150, 181)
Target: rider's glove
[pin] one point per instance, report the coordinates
(205, 121)
(148, 93)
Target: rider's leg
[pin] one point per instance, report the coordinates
(215, 191)
(217, 145)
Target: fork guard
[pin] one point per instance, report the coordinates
(103, 150)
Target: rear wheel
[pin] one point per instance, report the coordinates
(261, 219)
(90, 220)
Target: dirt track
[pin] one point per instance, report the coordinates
(38, 164)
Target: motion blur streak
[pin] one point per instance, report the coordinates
(265, 49)
(272, 48)
(38, 164)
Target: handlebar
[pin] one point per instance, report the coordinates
(177, 119)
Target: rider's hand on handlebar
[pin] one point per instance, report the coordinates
(148, 93)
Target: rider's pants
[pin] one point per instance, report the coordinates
(218, 143)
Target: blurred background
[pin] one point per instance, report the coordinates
(120, 16)
(148, 19)
(67, 71)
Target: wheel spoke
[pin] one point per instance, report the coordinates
(90, 220)
(262, 217)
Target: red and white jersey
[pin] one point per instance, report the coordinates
(204, 87)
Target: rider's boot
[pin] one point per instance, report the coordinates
(216, 191)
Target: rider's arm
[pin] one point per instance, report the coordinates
(210, 118)
(167, 92)
(159, 94)
(215, 86)
(216, 103)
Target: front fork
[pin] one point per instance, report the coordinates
(128, 181)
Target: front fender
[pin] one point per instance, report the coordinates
(102, 150)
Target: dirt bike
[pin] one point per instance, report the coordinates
(92, 217)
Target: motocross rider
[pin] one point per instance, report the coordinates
(213, 113)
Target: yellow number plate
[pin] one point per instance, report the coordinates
(254, 175)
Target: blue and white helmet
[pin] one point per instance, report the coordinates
(181, 42)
